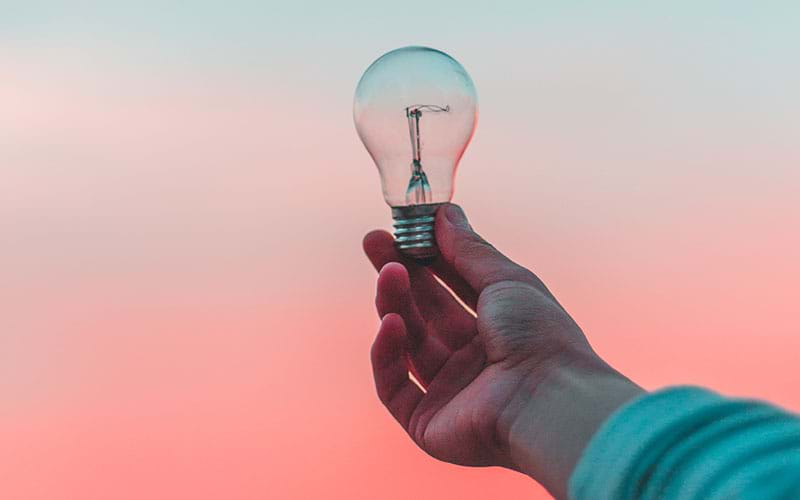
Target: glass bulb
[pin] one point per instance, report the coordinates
(415, 110)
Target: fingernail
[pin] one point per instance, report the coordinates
(455, 215)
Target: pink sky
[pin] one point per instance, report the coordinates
(184, 308)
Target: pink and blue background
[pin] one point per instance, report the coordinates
(185, 311)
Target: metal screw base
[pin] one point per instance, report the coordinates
(414, 232)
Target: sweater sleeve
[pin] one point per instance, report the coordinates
(690, 443)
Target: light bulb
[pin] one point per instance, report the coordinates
(415, 110)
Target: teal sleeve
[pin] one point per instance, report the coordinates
(690, 443)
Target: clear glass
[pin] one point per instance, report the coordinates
(415, 110)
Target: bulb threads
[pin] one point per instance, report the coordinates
(414, 233)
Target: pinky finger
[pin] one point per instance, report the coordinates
(398, 393)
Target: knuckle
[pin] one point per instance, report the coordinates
(472, 244)
(479, 245)
(507, 290)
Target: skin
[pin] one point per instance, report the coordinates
(508, 378)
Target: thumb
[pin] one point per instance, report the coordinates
(476, 260)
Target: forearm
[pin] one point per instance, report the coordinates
(557, 414)
(691, 443)
(681, 442)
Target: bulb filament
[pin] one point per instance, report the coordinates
(419, 189)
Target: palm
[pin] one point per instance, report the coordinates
(463, 429)
(469, 368)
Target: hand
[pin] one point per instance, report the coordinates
(479, 373)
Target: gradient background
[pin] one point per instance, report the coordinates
(185, 311)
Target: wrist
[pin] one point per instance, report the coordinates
(558, 409)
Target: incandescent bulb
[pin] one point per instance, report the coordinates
(415, 110)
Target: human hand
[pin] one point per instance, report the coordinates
(479, 373)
